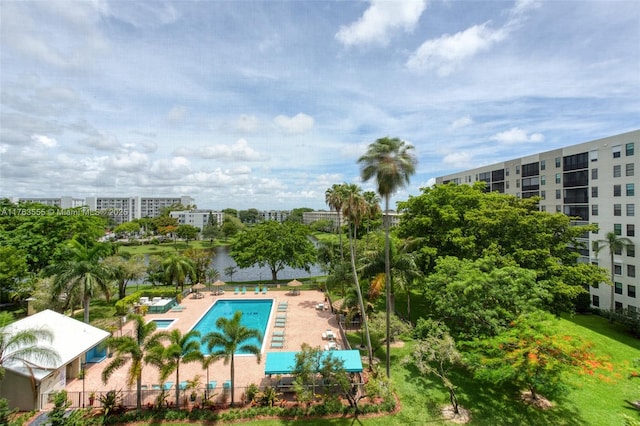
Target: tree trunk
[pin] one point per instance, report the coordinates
(387, 273)
(139, 391)
(178, 385)
(85, 305)
(233, 373)
(360, 300)
(454, 400)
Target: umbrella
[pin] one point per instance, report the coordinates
(294, 283)
(198, 286)
(219, 283)
(338, 305)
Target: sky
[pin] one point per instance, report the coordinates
(267, 104)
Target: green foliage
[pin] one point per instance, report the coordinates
(5, 412)
(463, 221)
(532, 354)
(377, 327)
(60, 404)
(187, 232)
(481, 298)
(111, 402)
(275, 245)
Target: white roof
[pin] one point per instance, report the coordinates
(71, 338)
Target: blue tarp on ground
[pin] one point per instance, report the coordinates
(285, 362)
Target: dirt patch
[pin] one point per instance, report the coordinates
(462, 417)
(397, 344)
(539, 401)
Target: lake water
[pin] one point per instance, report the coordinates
(223, 260)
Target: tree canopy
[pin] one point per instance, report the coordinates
(275, 245)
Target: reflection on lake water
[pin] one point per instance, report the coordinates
(223, 260)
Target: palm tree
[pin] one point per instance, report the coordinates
(134, 349)
(233, 338)
(373, 208)
(615, 245)
(82, 271)
(334, 199)
(182, 349)
(177, 268)
(392, 163)
(25, 345)
(354, 208)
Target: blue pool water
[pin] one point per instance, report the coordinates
(162, 324)
(255, 314)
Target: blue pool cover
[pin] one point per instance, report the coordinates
(285, 362)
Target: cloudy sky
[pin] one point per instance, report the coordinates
(266, 104)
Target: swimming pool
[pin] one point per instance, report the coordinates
(255, 314)
(163, 323)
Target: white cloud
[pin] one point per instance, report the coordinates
(44, 140)
(457, 159)
(517, 135)
(379, 20)
(240, 151)
(300, 123)
(446, 53)
(131, 161)
(461, 122)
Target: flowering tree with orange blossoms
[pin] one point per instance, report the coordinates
(532, 355)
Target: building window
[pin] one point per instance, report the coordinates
(631, 209)
(617, 190)
(558, 208)
(543, 195)
(506, 184)
(618, 288)
(594, 210)
(631, 250)
(543, 180)
(629, 169)
(506, 171)
(616, 150)
(543, 165)
(631, 271)
(618, 307)
(595, 231)
(543, 208)
(629, 150)
(594, 174)
(631, 190)
(617, 251)
(632, 308)
(617, 228)
(593, 155)
(617, 170)
(617, 209)
(558, 194)
(595, 300)
(594, 192)
(631, 230)
(617, 269)
(558, 178)
(517, 169)
(558, 162)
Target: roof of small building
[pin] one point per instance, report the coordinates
(71, 338)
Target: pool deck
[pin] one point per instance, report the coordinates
(305, 324)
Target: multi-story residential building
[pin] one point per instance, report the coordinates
(153, 206)
(64, 202)
(309, 217)
(198, 218)
(125, 209)
(591, 181)
(277, 215)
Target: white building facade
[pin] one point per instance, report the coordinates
(593, 181)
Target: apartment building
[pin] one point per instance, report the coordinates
(198, 218)
(64, 202)
(593, 181)
(126, 209)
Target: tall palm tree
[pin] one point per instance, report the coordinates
(132, 348)
(232, 338)
(373, 208)
(392, 162)
(177, 268)
(615, 244)
(354, 208)
(82, 271)
(334, 199)
(181, 349)
(25, 346)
